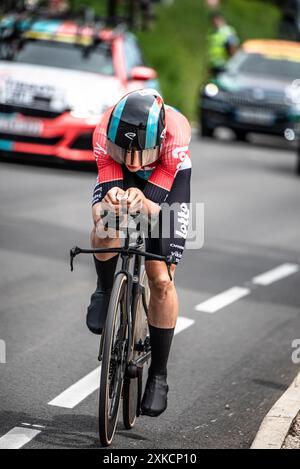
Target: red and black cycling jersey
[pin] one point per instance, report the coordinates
(174, 156)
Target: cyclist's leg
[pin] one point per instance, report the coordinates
(105, 264)
(174, 217)
(163, 307)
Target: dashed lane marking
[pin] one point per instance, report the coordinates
(76, 393)
(182, 324)
(18, 437)
(222, 300)
(280, 272)
(227, 297)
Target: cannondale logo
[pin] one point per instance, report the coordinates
(130, 135)
(147, 92)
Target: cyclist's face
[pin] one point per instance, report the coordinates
(132, 161)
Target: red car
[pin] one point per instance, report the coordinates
(57, 81)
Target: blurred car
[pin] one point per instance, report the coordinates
(257, 92)
(56, 79)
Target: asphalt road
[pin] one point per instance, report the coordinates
(226, 369)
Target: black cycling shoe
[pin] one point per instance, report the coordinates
(155, 400)
(97, 311)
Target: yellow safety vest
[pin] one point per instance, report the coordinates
(217, 52)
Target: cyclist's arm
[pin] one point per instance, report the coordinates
(175, 153)
(110, 203)
(110, 173)
(151, 207)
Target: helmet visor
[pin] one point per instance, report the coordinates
(132, 157)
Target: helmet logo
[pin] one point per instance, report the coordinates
(149, 92)
(146, 92)
(130, 135)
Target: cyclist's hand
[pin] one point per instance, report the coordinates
(135, 200)
(111, 201)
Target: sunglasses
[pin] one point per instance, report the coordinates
(128, 157)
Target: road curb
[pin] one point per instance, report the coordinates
(277, 423)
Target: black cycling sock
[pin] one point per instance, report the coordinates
(161, 341)
(105, 271)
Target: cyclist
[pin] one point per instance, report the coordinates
(141, 150)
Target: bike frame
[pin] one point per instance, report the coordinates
(127, 252)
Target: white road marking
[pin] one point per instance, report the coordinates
(17, 438)
(276, 274)
(79, 391)
(223, 299)
(182, 324)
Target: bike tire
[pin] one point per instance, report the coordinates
(113, 361)
(132, 393)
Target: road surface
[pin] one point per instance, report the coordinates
(232, 354)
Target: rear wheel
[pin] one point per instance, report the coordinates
(133, 387)
(113, 361)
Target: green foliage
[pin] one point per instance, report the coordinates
(252, 18)
(176, 46)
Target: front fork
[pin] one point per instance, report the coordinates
(128, 307)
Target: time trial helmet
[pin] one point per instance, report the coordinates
(137, 125)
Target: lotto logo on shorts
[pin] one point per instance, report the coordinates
(183, 221)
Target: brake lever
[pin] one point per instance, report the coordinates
(73, 253)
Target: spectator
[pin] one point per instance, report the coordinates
(222, 44)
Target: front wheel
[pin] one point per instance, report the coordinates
(113, 361)
(133, 387)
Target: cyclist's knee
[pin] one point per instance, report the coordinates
(96, 241)
(103, 243)
(159, 281)
(160, 286)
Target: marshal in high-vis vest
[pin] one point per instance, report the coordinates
(222, 44)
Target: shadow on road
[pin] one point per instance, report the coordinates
(270, 384)
(66, 430)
